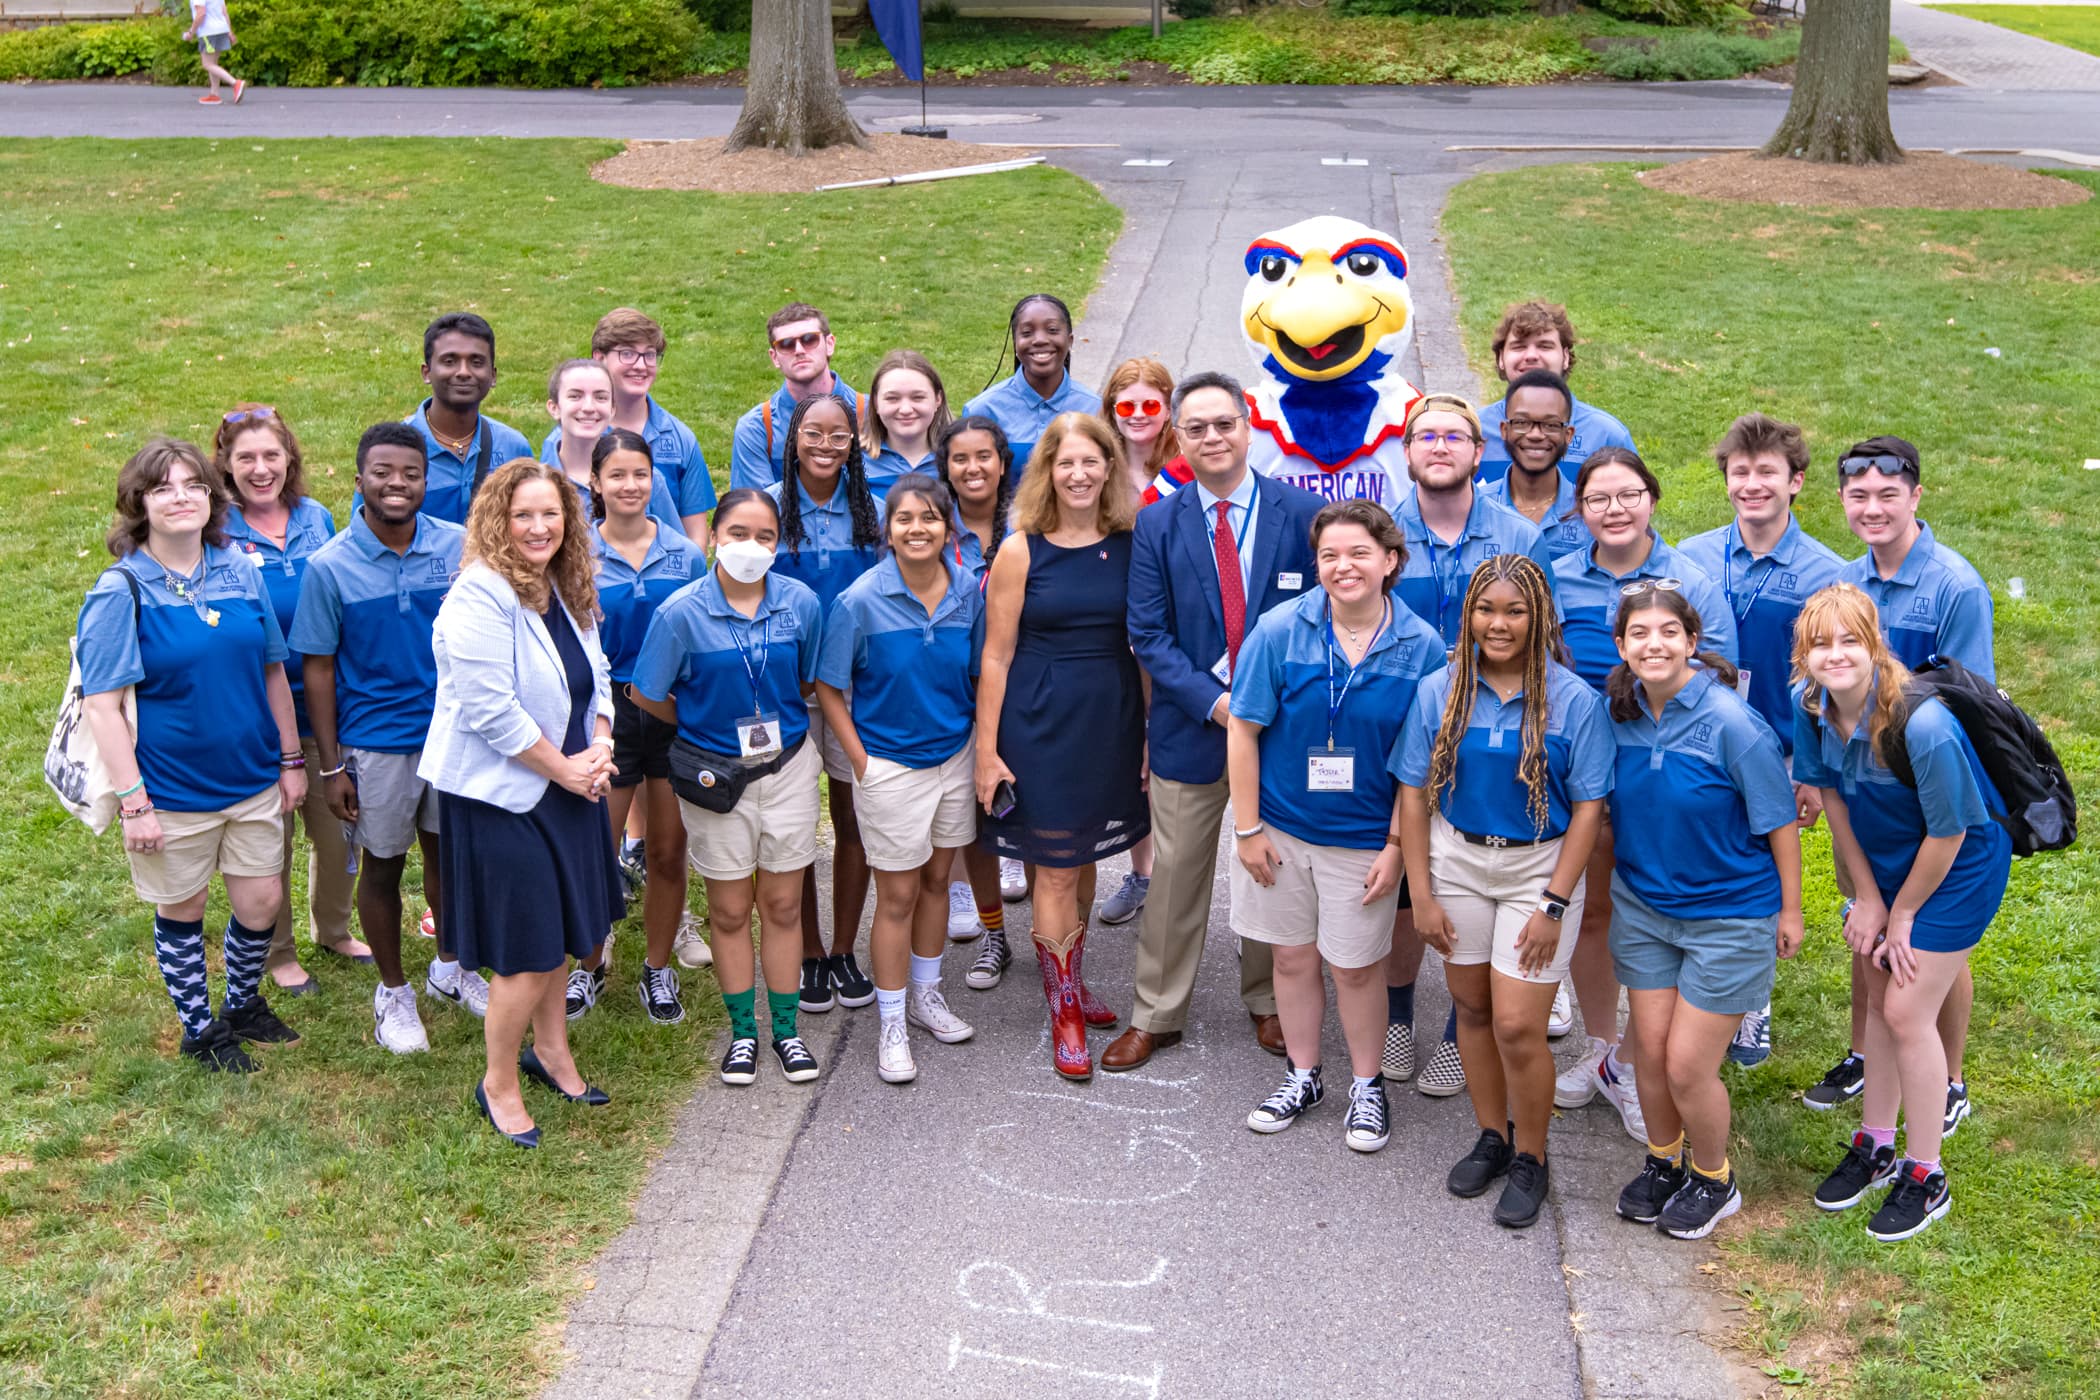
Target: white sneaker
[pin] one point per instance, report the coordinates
(962, 915)
(925, 1007)
(466, 989)
(1577, 1084)
(1013, 880)
(1561, 1019)
(893, 1061)
(395, 1024)
(690, 947)
(1615, 1082)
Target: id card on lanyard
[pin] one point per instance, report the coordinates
(758, 733)
(1334, 769)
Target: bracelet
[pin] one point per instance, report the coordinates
(1556, 898)
(139, 812)
(132, 789)
(605, 739)
(337, 771)
(290, 764)
(1255, 830)
(1392, 838)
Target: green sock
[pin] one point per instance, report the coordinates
(782, 1005)
(743, 1013)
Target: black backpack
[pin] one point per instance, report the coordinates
(2041, 813)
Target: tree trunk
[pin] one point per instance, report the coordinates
(791, 89)
(1840, 110)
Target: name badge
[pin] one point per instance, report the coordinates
(758, 736)
(1742, 683)
(1290, 583)
(1330, 772)
(1223, 670)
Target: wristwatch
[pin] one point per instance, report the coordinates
(1553, 906)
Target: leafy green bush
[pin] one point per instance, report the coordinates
(1465, 9)
(66, 51)
(721, 15)
(1703, 14)
(1697, 57)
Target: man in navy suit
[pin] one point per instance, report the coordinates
(1204, 564)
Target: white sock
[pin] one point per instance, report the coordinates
(890, 1003)
(1359, 1083)
(925, 972)
(443, 973)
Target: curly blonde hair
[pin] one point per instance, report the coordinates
(1035, 509)
(489, 541)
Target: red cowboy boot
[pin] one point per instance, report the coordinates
(1092, 1007)
(1060, 966)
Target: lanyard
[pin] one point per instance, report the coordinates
(1742, 614)
(1436, 571)
(754, 672)
(1334, 698)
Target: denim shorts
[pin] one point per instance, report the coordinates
(1725, 966)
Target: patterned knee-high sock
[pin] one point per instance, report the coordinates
(178, 946)
(246, 949)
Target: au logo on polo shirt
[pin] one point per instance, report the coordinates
(1703, 735)
(678, 566)
(439, 571)
(1921, 609)
(786, 624)
(1789, 584)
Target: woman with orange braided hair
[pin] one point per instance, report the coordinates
(1517, 753)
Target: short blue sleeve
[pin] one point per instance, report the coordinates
(809, 618)
(1417, 739)
(109, 637)
(1257, 676)
(317, 627)
(696, 489)
(1809, 768)
(1592, 748)
(1759, 771)
(750, 465)
(839, 651)
(1965, 631)
(661, 663)
(1948, 793)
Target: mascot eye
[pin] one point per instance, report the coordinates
(1272, 268)
(1363, 264)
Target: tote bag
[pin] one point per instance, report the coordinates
(72, 763)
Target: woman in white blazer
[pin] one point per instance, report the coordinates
(520, 752)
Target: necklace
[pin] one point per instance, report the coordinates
(188, 587)
(458, 446)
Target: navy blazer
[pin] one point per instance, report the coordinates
(1177, 618)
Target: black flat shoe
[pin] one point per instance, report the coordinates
(529, 1062)
(529, 1138)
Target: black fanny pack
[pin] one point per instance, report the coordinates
(715, 782)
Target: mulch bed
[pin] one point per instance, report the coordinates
(1916, 182)
(703, 165)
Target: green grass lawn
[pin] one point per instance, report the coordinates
(1852, 324)
(2077, 26)
(342, 1223)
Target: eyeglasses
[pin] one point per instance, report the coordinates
(1430, 438)
(176, 490)
(1131, 408)
(626, 355)
(1885, 462)
(1525, 427)
(816, 437)
(250, 415)
(808, 340)
(1196, 432)
(1643, 586)
(1597, 502)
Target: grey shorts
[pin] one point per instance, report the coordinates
(393, 803)
(1725, 966)
(208, 44)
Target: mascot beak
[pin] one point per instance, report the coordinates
(1322, 321)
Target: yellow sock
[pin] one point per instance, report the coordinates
(1673, 1153)
(1719, 1173)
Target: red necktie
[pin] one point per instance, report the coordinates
(1230, 588)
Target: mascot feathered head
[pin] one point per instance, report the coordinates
(1327, 301)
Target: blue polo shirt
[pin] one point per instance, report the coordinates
(1282, 682)
(206, 739)
(913, 677)
(1936, 605)
(1487, 795)
(757, 457)
(1594, 429)
(969, 553)
(1022, 413)
(1764, 597)
(449, 477)
(373, 610)
(718, 666)
(1434, 579)
(628, 597)
(1562, 528)
(1954, 797)
(1693, 799)
(1588, 596)
(887, 465)
(663, 506)
(827, 559)
(307, 530)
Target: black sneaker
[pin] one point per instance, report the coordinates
(848, 982)
(1919, 1197)
(816, 986)
(1645, 1196)
(1864, 1168)
(1841, 1085)
(586, 985)
(254, 1020)
(217, 1048)
(795, 1060)
(634, 869)
(1957, 1108)
(1698, 1206)
(1365, 1129)
(1523, 1194)
(740, 1065)
(1294, 1096)
(658, 989)
(1477, 1170)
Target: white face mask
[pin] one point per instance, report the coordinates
(746, 561)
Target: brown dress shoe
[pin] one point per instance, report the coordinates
(1133, 1047)
(1268, 1033)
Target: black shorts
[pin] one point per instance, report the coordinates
(641, 742)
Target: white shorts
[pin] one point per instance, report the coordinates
(1318, 898)
(393, 801)
(905, 813)
(1489, 892)
(244, 839)
(837, 766)
(773, 826)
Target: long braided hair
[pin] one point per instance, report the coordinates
(1542, 644)
(853, 480)
(1010, 345)
(1001, 503)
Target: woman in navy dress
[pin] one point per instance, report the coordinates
(1061, 706)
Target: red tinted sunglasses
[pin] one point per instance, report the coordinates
(1125, 408)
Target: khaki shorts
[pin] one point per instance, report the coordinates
(1489, 892)
(837, 766)
(245, 839)
(905, 813)
(773, 826)
(1318, 898)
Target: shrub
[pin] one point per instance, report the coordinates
(1699, 57)
(91, 50)
(1465, 9)
(1703, 14)
(722, 16)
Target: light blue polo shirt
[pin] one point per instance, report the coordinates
(449, 477)
(1487, 796)
(1588, 595)
(887, 465)
(1434, 579)
(1764, 597)
(827, 559)
(969, 552)
(1594, 429)
(1936, 605)
(206, 739)
(718, 666)
(1693, 799)
(308, 528)
(629, 597)
(1022, 413)
(1562, 528)
(373, 610)
(1954, 797)
(913, 677)
(663, 506)
(1282, 681)
(757, 457)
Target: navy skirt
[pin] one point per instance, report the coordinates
(526, 891)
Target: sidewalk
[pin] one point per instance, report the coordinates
(1988, 56)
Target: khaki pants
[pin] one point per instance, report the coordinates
(331, 890)
(1185, 822)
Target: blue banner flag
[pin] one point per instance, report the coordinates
(897, 21)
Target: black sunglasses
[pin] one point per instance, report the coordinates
(1885, 462)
